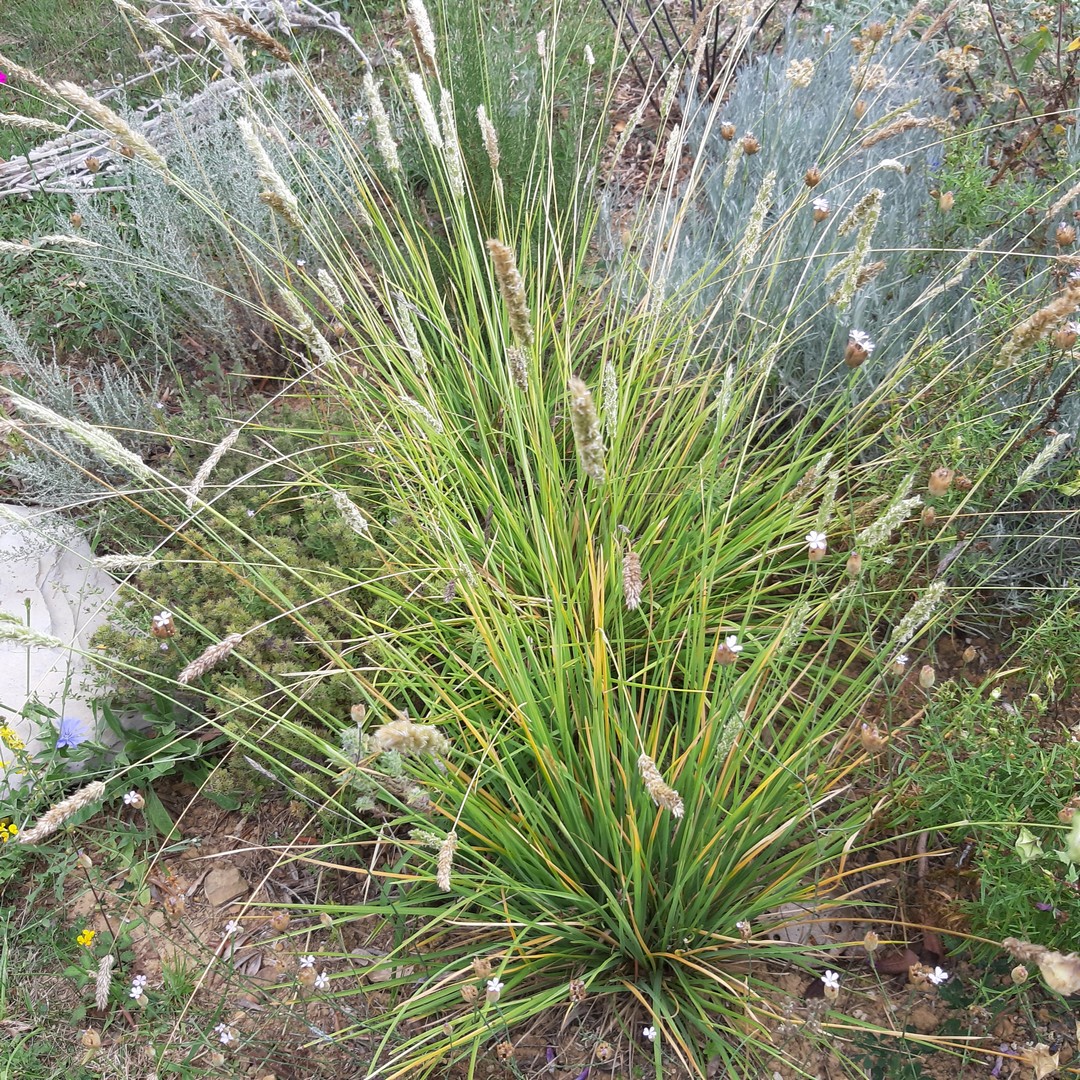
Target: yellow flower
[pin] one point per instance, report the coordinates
(86, 937)
(10, 738)
(8, 831)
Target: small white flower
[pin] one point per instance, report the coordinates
(250, 513)
(225, 1033)
(233, 926)
(495, 986)
(301, 262)
(821, 204)
(138, 985)
(816, 541)
(162, 619)
(862, 339)
(322, 981)
(307, 961)
(732, 644)
(828, 28)
(133, 798)
(938, 976)
(831, 979)
(649, 1033)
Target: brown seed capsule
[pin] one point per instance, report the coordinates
(940, 481)
(93, 164)
(873, 742)
(90, 1039)
(76, 221)
(482, 967)
(470, 993)
(962, 484)
(504, 1051)
(854, 565)
(859, 109)
(812, 176)
(929, 516)
(1066, 336)
(728, 650)
(577, 990)
(855, 354)
(1064, 235)
(870, 941)
(750, 145)
(927, 676)
(727, 131)
(1019, 974)
(946, 201)
(604, 1052)
(969, 654)
(279, 921)
(820, 211)
(875, 31)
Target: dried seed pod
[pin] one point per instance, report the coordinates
(859, 109)
(929, 516)
(873, 742)
(854, 565)
(812, 177)
(727, 131)
(1064, 235)
(940, 481)
(946, 201)
(927, 676)
(750, 144)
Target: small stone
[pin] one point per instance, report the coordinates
(225, 885)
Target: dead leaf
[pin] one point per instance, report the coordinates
(1060, 971)
(1040, 1059)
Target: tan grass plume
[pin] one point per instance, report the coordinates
(446, 860)
(661, 793)
(209, 658)
(54, 817)
(586, 427)
(512, 289)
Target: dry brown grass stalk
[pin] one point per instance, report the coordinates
(1035, 326)
(235, 25)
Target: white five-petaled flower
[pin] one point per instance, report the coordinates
(731, 643)
(816, 541)
(133, 798)
(233, 926)
(307, 961)
(862, 340)
(162, 618)
(831, 979)
(821, 204)
(938, 976)
(649, 1033)
(322, 981)
(495, 986)
(138, 985)
(225, 1034)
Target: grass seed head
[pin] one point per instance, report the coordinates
(586, 426)
(631, 578)
(406, 737)
(661, 793)
(53, 818)
(512, 289)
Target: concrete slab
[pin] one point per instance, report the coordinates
(48, 581)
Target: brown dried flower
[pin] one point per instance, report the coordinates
(727, 131)
(750, 144)
(940, 481)
(661, 793)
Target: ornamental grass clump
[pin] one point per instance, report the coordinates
(624, 794)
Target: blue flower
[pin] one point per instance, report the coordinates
(71, 733)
